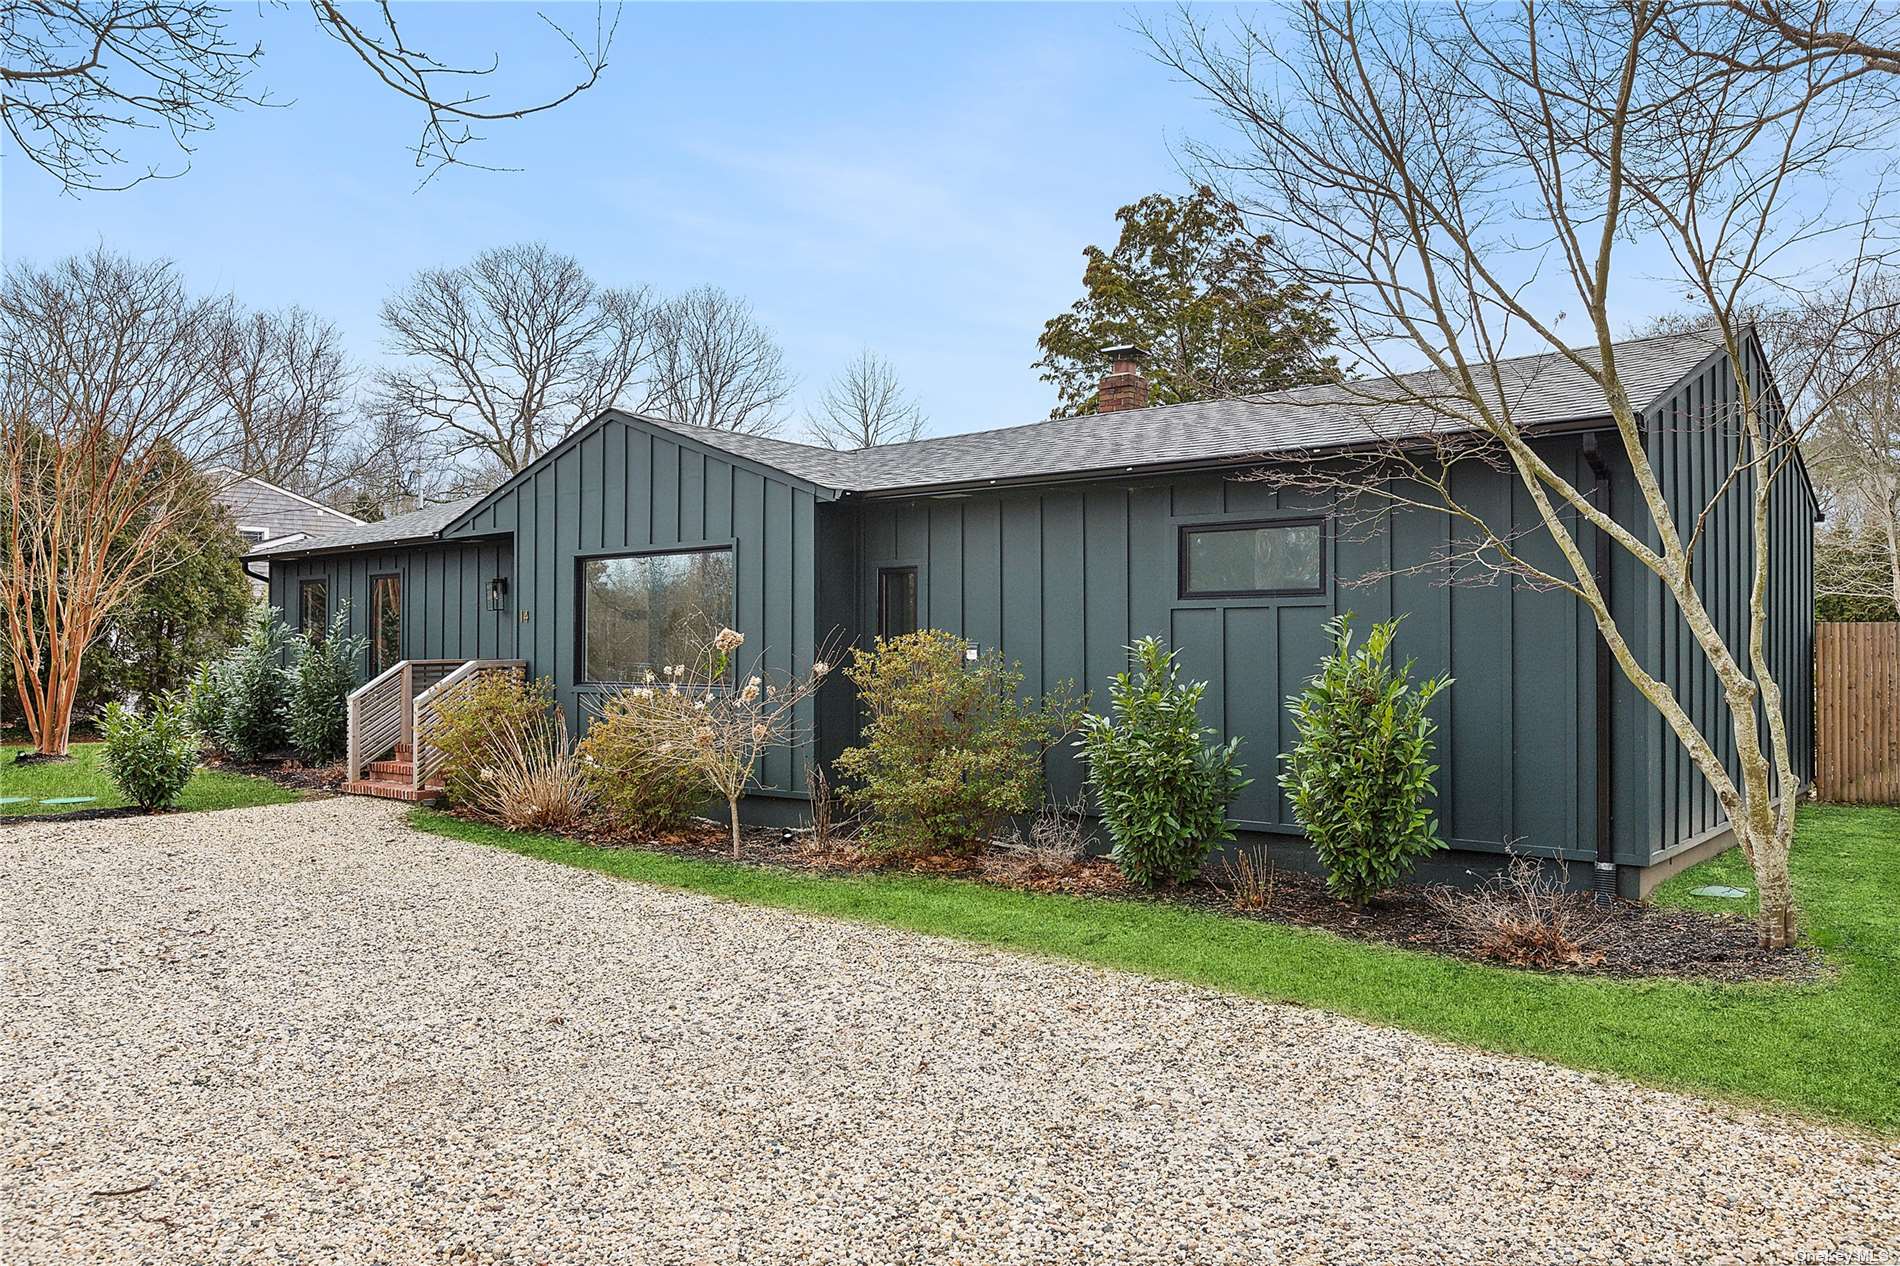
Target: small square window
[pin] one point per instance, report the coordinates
(1281, 558)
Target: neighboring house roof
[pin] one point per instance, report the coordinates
(259, 505)
(417, 525)
(1541, 390)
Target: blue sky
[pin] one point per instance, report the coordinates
(917, 179)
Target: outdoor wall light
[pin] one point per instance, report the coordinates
(498, 594)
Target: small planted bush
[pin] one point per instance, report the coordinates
(949, 748)
(640, 762)
(151, 757)
(1162, 788)
(254, 688)
(1361, 774)
(320, 685)
(473, 715)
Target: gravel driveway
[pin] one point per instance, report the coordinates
(306, 1034)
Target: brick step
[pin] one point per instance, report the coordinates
(399, 766)
(392, 789)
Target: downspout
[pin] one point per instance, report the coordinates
(262, 580)
(1604, 772)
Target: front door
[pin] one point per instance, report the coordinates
(385, 628)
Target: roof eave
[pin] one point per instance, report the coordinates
(1592, 422)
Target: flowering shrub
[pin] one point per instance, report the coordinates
(720, 730)
(949, 749)
(645, 777)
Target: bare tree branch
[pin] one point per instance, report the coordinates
(77, 79)
(865, 405)
(107, 376)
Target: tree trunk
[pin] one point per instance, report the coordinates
(1767, 842)
(732, 806)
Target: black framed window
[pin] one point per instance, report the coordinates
(385, 622)
(1275, 558)
(313, 608)
(645, 611)
(896, 601)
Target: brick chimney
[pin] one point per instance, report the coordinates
(1122, 386)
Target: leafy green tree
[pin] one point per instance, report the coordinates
(1188, 282)
(254, 686)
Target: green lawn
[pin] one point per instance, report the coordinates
(1830, 1049)
(84, 775)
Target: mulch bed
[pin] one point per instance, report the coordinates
(284, 771)
(1634, 940)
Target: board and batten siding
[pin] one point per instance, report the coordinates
(445, 611)
(618, 487)
(1062, 578)
(1694, 441)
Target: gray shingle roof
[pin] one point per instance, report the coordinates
(1541, 390)
(416, 525)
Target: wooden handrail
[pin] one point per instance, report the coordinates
(425, 759)
(388, 711)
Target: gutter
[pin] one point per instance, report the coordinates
(1604, 761)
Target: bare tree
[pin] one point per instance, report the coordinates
(394, 467)
(78, 79)
(285, 382)
(109, 377)
(1463, 179)
(715, 365)
(865, 405)
(504, 354)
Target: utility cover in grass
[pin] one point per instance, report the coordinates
(70, 800)
(1719, 890)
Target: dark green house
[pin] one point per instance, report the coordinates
(1060, 542)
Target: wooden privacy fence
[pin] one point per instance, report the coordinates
(1857, 713)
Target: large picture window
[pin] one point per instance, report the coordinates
(644, 611)
(1250, 560)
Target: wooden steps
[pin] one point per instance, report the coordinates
(389, 779)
